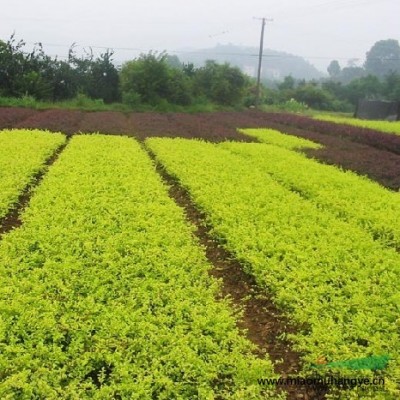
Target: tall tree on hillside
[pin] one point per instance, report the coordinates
(383, 58)
(334, 69)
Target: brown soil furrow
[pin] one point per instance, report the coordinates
(13, 219)
(262, 322)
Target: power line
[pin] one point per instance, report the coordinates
(212, 53)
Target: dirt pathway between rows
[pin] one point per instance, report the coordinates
(13, 218)
(263, 324)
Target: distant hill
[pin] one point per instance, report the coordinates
(276, 64)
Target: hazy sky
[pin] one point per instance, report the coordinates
(319, 30)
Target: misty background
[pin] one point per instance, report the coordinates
(302, 40)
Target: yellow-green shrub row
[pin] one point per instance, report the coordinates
(329, 276)
(105, 294)
(349, 196)
(383, 126)
(280, 139)
(22, 154)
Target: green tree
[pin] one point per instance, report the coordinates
(221, 83)
(150, 79)
(179, 87)
(349, 74)
(334, 69)
(13, 66)
(391, 86)
(368, 87)
(25, 73)
(314, 96)
(173, 61)
(287, 84)
(383, 58)
(104, 79)
(64, 81)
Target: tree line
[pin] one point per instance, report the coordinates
(159, 79)
(377, 79)
(153, 78)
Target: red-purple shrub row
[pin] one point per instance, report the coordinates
(379, 165)
(366, 136)
(110, 122)
(341, 147)
(66, 121)
(210, 126)
(10, 116)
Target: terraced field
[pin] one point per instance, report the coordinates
(110, 289)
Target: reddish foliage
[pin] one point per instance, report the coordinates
(360, 150)
(104, 122)
(370, 137)
(66, 121)
(10, 116)
(380, 165)
(211, 126)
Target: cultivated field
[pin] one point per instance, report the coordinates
(144, 263)
(384, 126)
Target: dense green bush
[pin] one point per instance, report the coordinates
(44, 78)
(222, 84)
(154, 79)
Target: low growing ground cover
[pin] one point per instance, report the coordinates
(329, 276)
(105, 294)
(22, 155)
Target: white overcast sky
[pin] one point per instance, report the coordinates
(319, 30)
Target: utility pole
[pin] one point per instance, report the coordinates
(260, 55)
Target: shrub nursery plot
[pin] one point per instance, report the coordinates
(342, 149)
(370, 137)
(23, 154)
(382, 126)
(380, 165)
(329, 276)
(104, 292)
(351, 197)
(65, 121)
(280, 139)
(10, 116)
